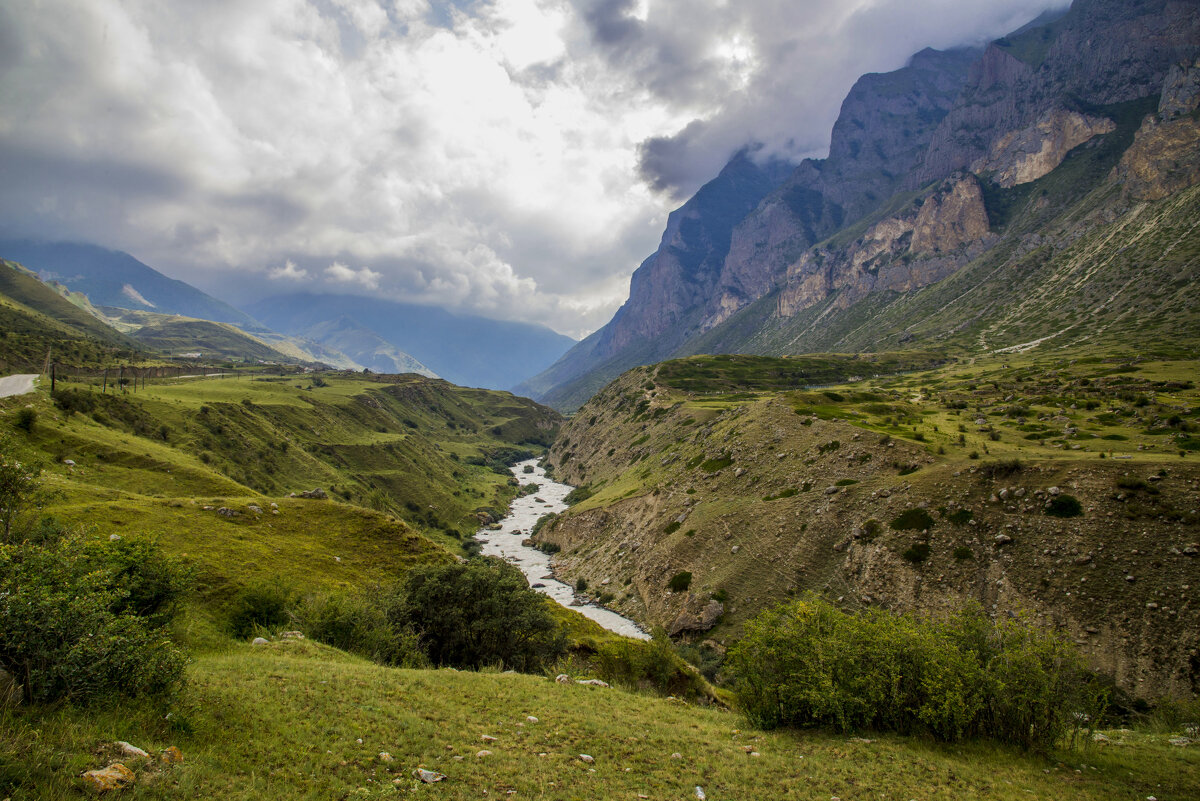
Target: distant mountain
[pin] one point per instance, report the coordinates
(464, 349)
(370, 350)
(114, 278)
(1043, 189)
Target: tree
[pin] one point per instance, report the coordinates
(479, 613)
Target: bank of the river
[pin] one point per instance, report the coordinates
(515, 527)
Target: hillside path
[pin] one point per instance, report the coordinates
(16, 384)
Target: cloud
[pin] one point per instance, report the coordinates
(342, 274)
(289, 271)
(513, 158)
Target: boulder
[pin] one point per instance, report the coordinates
(428, 776)
(171, 755)
(115, 777)
(130, 750)
(316, 494)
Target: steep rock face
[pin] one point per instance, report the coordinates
(681, 274)
(880, 136)
(922, 244)
(1020, 157)
(1165, 155)
(1101, 52)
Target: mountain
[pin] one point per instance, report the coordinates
(177, 335)
(114, 278)
(464, 349)
(971, 200)
(36, 320)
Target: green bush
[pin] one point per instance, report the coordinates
(810, 664)
(913, 520)
(680, 581)
(259, 606)
(672, 527)
(364, 624)
(479, 614)
(25, 420)
(918, 552)
(1064, 506)
(67, 630)
(653, 665)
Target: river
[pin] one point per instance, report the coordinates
(515, 527)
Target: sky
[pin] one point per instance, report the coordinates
(510, 158)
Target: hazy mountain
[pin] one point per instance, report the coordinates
(464, 349)
(954, 204)
(114, 278)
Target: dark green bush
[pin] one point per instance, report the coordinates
(680, 581)
(918, 552)
(25, 419)
(1064, 506)
(672, 527)
(67, 632)
(259, 606)
(916, 519)
(479, 614)
(653, 665)
(810, 664)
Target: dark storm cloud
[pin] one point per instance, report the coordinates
(611, 23)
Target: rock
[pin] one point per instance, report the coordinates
(114, 537)
(1181, 742)
(384, 756)
(1192, 549)
(483, 753)
(531, 719)
(256, 509)
(115, 777)
(700, 793)
(292, 635)
(676, 755)
(588, 758)
(69, 462)
(428, 776)
(225, 511)
(592, 682)
(316, 494)
(831, 490)
(562, 678)
(1002, 539)
(487, 738)
(735, 549)
(1097, 737)
(130, 750)
(259, 641)
(171, 755)
(1054, 490)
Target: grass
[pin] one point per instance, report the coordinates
(300, 739)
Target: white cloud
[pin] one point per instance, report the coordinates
(342, 274)
(482, 155)
(289, 271)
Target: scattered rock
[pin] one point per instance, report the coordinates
(1002, 539)
(676, 755)
(316, 494)
(384, 756)
(69, 462)
(1098, 737)
(115, 777)
(259, 641)
(531, 719)
(225, 511)
(1181, 742)
(256, 509)
(114, 537)
(592, 682)
(428, 776)
(292, 635)
(588, 758)
(130, 750)
(562, 678)
(700, 793)
(171, 755)
(831, 490)
(483, 753)
(487, 738)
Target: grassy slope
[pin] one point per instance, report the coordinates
(34, 319)
(655, 455)
(299, 738)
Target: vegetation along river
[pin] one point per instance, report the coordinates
(515, 527)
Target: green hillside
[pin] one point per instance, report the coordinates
(176, 336)
(35, 320)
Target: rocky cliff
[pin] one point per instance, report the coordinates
(999, 149)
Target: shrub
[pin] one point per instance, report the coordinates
(713, 465)
(641, 665)
(259, 606)
(20, 490)
(25, 420)
(680, 581)
(810, 664)
(960, 517)
(918, 553)
(66, 631)
(1064, 506)
(916, 519)
(872, 528)
(581, 584)
(478, 614)
(364, 624)
(962, 553)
